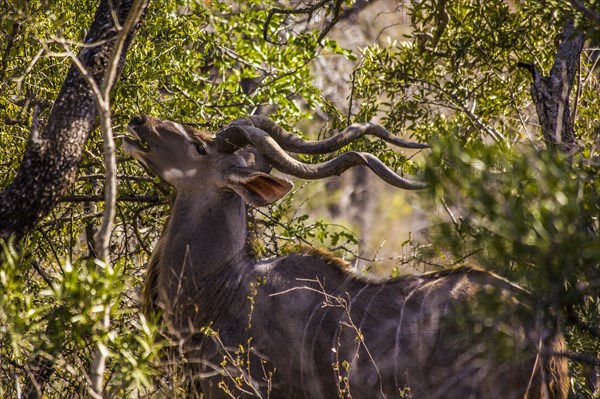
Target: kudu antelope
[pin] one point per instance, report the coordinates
(310, 327)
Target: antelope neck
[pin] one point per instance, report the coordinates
(207, 231)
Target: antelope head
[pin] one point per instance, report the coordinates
(188, 158)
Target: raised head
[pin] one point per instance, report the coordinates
(192, 159)
(189, 160)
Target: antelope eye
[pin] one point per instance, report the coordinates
(200, 148)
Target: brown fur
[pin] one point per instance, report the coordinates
(328, 257)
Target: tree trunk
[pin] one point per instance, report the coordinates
(51, 160)
(551, 97)
(551, 93)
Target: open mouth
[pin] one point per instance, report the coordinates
(134, 144)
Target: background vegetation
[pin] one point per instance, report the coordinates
(503, 195)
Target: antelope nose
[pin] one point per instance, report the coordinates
(137, 120)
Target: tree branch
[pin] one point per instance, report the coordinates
(16, 26)
(588, 12)
(102, 239)
(308, 10)
(442, 22)
(120, 198)
(50, 161)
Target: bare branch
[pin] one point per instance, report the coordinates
(336, 17)
(273, 11)
(102, 239)
(89, 79)
(34, 61)
(120, 198)
(119, 177)
(588, 12)
(110, 75)
(337, 14)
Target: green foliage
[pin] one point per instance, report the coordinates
(466, 72)
(525, 212)
(286, 228)
(190, 61)
(197, 59)
(57, 317)
(498, 197)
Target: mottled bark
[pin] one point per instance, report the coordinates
(51, 159)
(551, 93)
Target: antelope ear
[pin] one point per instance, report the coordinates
(257, 188)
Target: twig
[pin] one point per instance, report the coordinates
(11, 41)
(119, 177)
(42, 273)
(352, 90)
(591, 329)
(451, 214)
(306, 10)
(577, 94)
(120, 198)
(102, 239)
(17, 385)
(34, 61)
(493, 133)
(336, 17)
(330, 300)
(442, 21)
(578, 357)
(110, 76)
